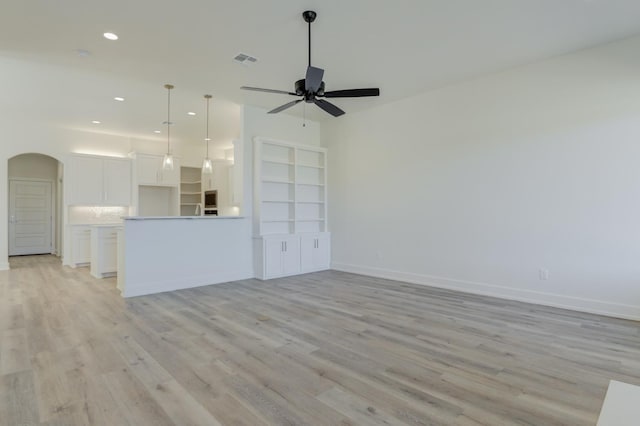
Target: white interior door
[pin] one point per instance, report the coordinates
(30, 217)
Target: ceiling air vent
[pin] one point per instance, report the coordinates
(244, 59)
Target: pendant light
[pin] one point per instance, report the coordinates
(207, 165)
(167, 161)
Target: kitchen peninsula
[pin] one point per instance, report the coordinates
(158, 254)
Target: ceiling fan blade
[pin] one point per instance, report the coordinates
(329, 107)
(285, 106)
(313, 79)
(352, 93)
(258, 89)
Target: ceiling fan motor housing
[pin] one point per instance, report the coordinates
(301, 90)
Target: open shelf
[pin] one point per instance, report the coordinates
(275, 180)
(310, 184)
(274, 161)
(190, 190)
(290, 188)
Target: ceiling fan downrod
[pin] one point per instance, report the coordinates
(309, 16)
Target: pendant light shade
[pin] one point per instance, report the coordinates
(167, 161)
(207, 165)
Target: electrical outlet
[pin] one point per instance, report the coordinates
(543, 274)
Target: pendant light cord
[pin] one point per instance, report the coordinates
(168, 87)
(208, 98)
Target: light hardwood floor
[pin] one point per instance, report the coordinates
(328, 348)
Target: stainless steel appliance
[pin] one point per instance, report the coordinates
(211, 199)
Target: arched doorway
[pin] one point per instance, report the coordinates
(35, 205)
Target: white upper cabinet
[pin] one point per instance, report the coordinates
(150, 171)
(86, 180)
(117, 182)
(100, 181)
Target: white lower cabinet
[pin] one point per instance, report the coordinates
(80, 245)
(281, 256)
(104, 251)
(284, 255)
(315, 252)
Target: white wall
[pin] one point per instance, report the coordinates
(477, 186)
(33, 166)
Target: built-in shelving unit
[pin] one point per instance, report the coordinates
(190, 191)
(290, 209)
(290, 187)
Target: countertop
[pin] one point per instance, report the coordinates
(97, 224)
(209, 217)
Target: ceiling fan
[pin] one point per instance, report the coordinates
(311, 87)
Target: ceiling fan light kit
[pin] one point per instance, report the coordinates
(312, 87)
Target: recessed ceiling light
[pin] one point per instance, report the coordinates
(191, 113)
(95, 122)
(119, 99)
(110, 36)
(157, 131)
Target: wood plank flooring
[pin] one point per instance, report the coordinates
(328, 348)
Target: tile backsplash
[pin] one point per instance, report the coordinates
(96, 214)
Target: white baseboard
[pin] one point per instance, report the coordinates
(4, 266)
(145, 288)
(610, 309)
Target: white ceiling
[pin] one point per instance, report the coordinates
(404, 47)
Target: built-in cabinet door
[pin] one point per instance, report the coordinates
(281, 256)
(291, 256)
(87, 181)
(104, 249)
(117, 182)
(148, 169)
(80, 246)
(273, 248)
(110, 259)
(99, 181)
(314, 252)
